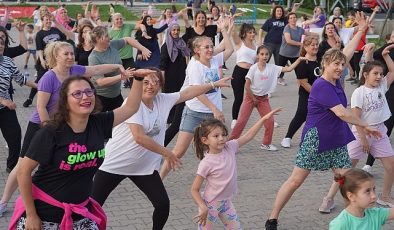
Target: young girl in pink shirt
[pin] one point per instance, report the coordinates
(218, 167)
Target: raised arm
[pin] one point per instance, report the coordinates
(102, 69)
(293, 65)
(389, 63)
(251, 133)
(228, 47)
(20, 26)
(134, 43)
(353, 43)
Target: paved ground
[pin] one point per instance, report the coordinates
(260, 174)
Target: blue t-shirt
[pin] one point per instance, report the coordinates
(374, 219)
(322, 98)
(274, 28)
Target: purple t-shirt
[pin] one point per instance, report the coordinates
(332, 131)
(322, 21)
(49, 83)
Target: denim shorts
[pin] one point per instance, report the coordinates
(191, 119)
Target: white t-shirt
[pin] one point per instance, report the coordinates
(123, 155)
(31, 41)
(198, 74)
(372, 102)
(263, 82)
(346, 34)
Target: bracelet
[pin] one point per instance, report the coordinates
(139, 78)
(212, 84)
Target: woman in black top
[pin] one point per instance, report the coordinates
(84, 46)
(173, 63)
(200, 28)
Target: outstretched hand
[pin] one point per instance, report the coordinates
(143, 72)
(223, 82)
(272, 113)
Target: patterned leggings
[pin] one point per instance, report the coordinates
(223, 209)
(83, 224)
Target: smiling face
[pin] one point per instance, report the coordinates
(46, 22)
(335, 68)
(216, 139)
(200, 20)
(151, 87)
(373, 77)
(278, 13)
(312, 48)
(205, 49)
(149, 21)
(168, 13)
(80, 106)
(65, 56)
(118, 21)
(338, 23)
(292, 19)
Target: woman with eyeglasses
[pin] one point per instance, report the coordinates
(57, 196)
(106, 51)
(60, 58)
(204, 67)
(136, 148)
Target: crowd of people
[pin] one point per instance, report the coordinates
(95, 138)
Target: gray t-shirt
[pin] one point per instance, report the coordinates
(287, 50)
(110, 56)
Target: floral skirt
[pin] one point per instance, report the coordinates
(308, 157)
(83, 224)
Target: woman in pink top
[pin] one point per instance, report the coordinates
(218, 167)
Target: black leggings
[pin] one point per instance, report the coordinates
(389, 123)
(109, 104)
(173, 129)
(238, 85)
(31, 130)
(299, 117)
(40, 72)
(355, 63)
(283, 62)
(151, 185)
(274, 48)
(12, 134)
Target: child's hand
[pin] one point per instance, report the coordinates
(270, 114)
(201, 218)
(370, 131)
(386, 50)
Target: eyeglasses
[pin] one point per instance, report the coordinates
(207, 47)
(79, 93)
(209, 18)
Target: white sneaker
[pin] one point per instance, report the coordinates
(367, 168)
(281, 82)
(269, 147)
(276, 124)
(233, 122)
(286, 142)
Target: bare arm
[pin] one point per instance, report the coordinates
(196, 90)
(360, 130)
(20, 26)
(228, 47)
(353, 43)
(292, 66)
(201, 218)
(291, 41)
(42, 102)
(389, 63)
(304, 84)
(102, 69)
(261, 33)
(24, 172)
(251, 133)
(134, 43)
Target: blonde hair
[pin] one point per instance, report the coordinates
(196, 43)
(52, 49)
(330, 56)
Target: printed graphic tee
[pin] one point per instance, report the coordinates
(68, 162)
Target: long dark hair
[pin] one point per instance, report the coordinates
(150, 31)
(245, 28)
(273, 16)
(81, 40)
(368, 68)
(324, 35)
(7, 37)
(62, 115)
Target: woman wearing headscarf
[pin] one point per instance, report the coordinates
(148, 38)
(173, 65)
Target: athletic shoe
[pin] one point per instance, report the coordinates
(269, 147)
(327, 205)
(390, 204)
(27, 103)
(276, 124)
(367, 168)
(271, 224)
(286, 142)
(233, 123)
(3, 208)
(281, 82)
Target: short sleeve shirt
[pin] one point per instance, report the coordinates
(287, 50)
(220, 172)
(210, 31)
(198, 74)
(374, 218)
(68, 162)
(44, 37)
(372, 102)
(109, 56)
(322, 98)
(263, 81)
(126, 30)
(307, 70)
(123, 155)
(49, 83)
(274, 28)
